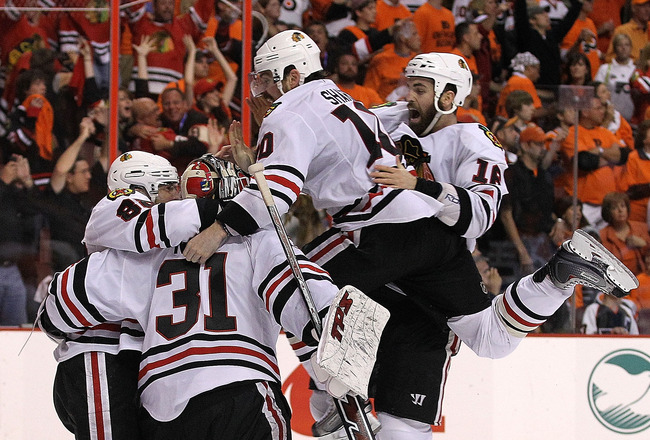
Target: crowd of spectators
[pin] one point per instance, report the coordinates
(180, 77)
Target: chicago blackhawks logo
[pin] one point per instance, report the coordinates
(490, 136)
(125, 157)
(463, 64)
(163, 41)
(120, 192)
(297, 36)
(273, 107)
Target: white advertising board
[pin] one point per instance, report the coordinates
(571, 387)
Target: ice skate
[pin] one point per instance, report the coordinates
(583, 260)
(330, 427)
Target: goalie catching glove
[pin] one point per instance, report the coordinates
(348, 346)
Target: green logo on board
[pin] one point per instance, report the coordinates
(619, 391)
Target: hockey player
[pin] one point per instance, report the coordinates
(315, 139)
(461, 163)
(95, 387)
(210, 329)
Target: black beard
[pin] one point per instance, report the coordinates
(345, 78)
(425, 120)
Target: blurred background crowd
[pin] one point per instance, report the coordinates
(559, 83)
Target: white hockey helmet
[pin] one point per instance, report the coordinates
(142, 170)
(209, 176)
(443, 69)
(286, 48)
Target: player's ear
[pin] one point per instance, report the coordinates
(447, 99)
(293, 79)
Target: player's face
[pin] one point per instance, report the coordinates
(420, 103)
(262, 84)
(168, 192)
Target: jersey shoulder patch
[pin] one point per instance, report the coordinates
(385, 104)
(270, 109)
(490, 136)
(119, 193)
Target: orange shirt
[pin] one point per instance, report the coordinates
(631, 257)
(470, 115)
(637, 34)
(636, 171)
(625, 133)
(385, 70)
(388, 14)
(518, 81)
(592, 185)
(572, 36)
(319, 9)
(471, 60)
(436, 28)
(495, 47)
(364, 94)
(641, 295)
(604, 11)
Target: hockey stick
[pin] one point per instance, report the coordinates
(350, 408)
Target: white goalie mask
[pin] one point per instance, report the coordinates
(443, 69)
(141, 170)
(286, 48)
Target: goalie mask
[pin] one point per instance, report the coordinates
(211, 177)
(287, 48)
(141, 170)
(443, 69)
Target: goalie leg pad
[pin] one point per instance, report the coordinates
(348, 346)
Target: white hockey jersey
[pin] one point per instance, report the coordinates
(127, 220)
(317, 140)
(467, 156)
(205, 325)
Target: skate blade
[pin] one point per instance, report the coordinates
(617, 273)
